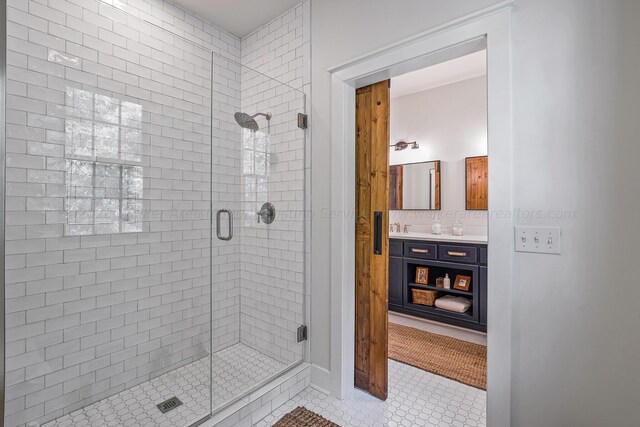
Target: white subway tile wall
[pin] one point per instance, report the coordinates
(108, 190)
(272, 271)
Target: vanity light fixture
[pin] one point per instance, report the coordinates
(402, 145)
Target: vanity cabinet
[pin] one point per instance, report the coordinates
(396, 249)
(483, 296)
(440, 258)
(395, 281)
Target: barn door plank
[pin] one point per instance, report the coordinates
(372, 237)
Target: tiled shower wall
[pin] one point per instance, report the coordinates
(108, 113)
(272, 271)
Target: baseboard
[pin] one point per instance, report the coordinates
(435, 322)
(321, 379)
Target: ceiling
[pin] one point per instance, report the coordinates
(239, 17)
(455, 70)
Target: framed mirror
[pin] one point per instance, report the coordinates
(415, 186)
(477, 183)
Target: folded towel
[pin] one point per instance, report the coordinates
(451, 303)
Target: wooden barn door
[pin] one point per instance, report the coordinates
(372, 237)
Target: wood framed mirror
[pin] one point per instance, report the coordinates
(415, 186)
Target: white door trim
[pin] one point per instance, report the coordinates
(493, 27)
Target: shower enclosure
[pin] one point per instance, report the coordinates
(154, 243)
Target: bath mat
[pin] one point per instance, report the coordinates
(302, 417)
(448, 357)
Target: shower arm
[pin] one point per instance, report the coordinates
(266, 115)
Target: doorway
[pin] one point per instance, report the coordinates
(438, 283)
(489, 30)
(426, 130)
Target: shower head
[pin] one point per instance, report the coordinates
(249, 122)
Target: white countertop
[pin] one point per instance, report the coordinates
(440, 237)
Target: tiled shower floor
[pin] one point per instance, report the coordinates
(235, 370)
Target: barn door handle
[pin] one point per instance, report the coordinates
(377, 233)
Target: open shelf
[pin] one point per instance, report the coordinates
(448, 291)
(426, 308)
(403, 285)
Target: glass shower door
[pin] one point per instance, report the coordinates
(258, 280)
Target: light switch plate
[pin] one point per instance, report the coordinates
(539, 240)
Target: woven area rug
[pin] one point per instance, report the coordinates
(448, 357)
(302, 417)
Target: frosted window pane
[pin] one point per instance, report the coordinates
(104, 150)
(79, 137)
(131, 115)
(107, 109)
(106, 141)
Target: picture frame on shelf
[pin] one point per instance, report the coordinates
(462, 283)
(422, 275)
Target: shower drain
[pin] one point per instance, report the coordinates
(169, 404)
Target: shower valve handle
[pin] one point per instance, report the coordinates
(267, 213)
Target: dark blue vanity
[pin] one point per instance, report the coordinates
(440, 257)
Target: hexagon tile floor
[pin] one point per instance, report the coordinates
(236, 369)
(416, 398)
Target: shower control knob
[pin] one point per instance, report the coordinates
(267, 213)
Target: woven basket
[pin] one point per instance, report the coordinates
(424, 297)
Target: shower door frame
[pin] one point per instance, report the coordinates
(3, 147)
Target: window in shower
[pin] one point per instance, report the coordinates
(255, 171)
(104, 179)
(103, 198)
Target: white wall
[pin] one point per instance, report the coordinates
(450, 123)
(575, 105)
(576, 67)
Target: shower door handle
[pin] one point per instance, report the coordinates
(229, 236)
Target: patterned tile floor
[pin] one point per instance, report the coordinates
(416, 398)
(236, 369)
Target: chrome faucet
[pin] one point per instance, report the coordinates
(406, 228)
(397, 225)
